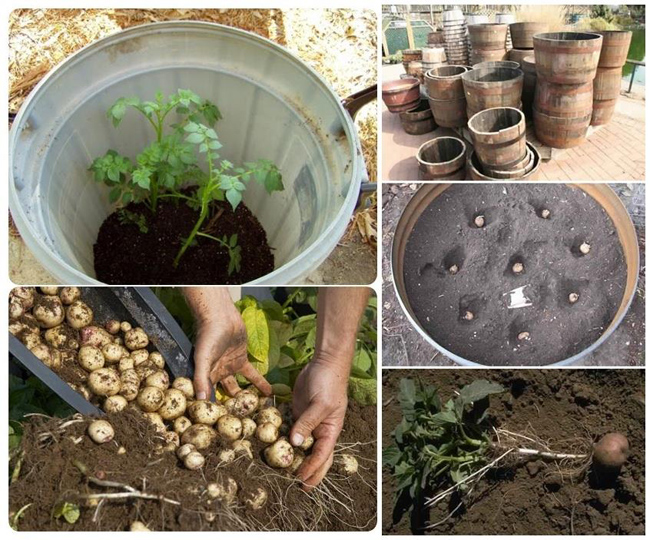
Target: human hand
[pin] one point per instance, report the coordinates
(320, 400)
(221, 353)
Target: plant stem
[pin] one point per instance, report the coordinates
(195, 230)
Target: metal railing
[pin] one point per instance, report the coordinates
(635, 64)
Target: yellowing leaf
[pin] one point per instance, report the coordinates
(258, 334)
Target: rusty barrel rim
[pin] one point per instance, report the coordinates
(601, 193)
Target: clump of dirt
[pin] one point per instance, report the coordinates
(477, 249)
(125, 253)
(50, 475)
(529, 497)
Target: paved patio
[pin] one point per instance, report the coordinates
(614, 152)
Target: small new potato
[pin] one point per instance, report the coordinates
(138, 526)
(185, 385)
(126, 362)
(229, 427)
(101, 431)
(248, 427)
(611, 451)
(49, 356)
(184, 450)
(140, 356)
(256, 499)
(298, 458)
(173, 405)
(194, 461)
(91, 358)
(271, 415)
(136, 338)
(31, 340)
(223, 492)
(16, 308)
(243, 447)
(172, 438)
(157, 360)
(69, 295)
(226, 456)
(104, 382)
(113, 352)
(205, 412)
(346, 464)
(245, 404)
(130, 384)
(199, 435)
(125, 326)
(307, 443)
(150, 398)
(49, 311)
(58, 337)
(112, 326)
(49, 290)
(156, 420)
(266, 433)
(144, 370)
(116, 403)
(279, 455)
(23, 294)
(95, 336)
(79, 315)
(159, 379)
(181, 424)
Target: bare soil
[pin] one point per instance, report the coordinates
(530, 498)
(49, 476)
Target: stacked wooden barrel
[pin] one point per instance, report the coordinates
(454, 31)
(418, 120)
(530, 82)
(566, 64)
(607, 84)
(471, 19)
(488, 42)
(433, 57)
(444, 87)
(443, 158)
(522, 39)
(435, 39)
(410, 55)
(506, 18)
(486, 88)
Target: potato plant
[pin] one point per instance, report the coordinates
(171, 163)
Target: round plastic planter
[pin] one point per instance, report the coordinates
(603, 194)
(274, 107)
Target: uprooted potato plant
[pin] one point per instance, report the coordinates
(161, 454)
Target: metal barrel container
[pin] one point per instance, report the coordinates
(601, 193)
(616, 46)
(603, 112)
(419, 120)
(480, 56)
(488, 36)
(443, 158)
(445, 82)
(499, 137)
(530, 82)
(476, 171)
(607, 84)
(562, 113)
(522, 33)
(497, 64)
(261, 88)
(518, 55)
(401, 95)
(492, 87)
(567, 57)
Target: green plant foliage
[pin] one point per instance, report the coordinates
(68, 511)
(438, 443)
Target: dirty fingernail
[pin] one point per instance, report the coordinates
(201, 395)
(297, 439)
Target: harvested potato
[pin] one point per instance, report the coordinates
(69, 295)
(112, 326)
(49, 356)
(226, 491)
(173, 405)
(130, 384)
(270, 415)
(345, 464)
(126, 362)
(136, 338)
(150, 398)
(125, 326)
(138, 526)
(184, 450)
(172, 438)
(156, 420)
(95, 336)
(181, 424)
(25, 295)
(91, 358)
(256, 498)
(116, 403)
(101, 431)
(16, 308)
(113, 352)
(226, 456)
(79, 315)
(194, 461)
(279, 455)
(205, 412)
(159, 379)
(104, 382)
(243, 448)
(229, 427)
(144, 370)
(266, 433)
(248, 427)
(307, 443)
(246, 403)
(49, 311)
(31, 340)
(199, 435)
(140, 356)
(611, 451)
(157, 360)
(61, 337)
(185, 385)
(298, 458)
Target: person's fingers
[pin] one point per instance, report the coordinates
(307, 422)
(202, 383)
(256, 378)
(230, 385)
(317, 477)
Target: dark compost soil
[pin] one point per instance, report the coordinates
(49, 477)
(529, 499)
(126, 255)
(514, 232)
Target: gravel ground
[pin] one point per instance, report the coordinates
(403, 346)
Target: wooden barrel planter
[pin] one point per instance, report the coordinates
(518, 55)
(530, 81)
(443, 158)
(607, 84)
(567, 57)
(401, 95)
(445, 82)
(449, 112)
(522, 33)
(603, 112)
(529, 172)
(435, 38)
(478, 56)
(411, 55)
(616, 46)
(562, 113)
(497, 64)
(492, 87)
(488, 36)
(419, 120)
(499, 137)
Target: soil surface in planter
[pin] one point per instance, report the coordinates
(126, 255)
(529, 498)
(452, 268)
(48, 476)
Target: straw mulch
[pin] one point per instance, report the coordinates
(338, 43)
